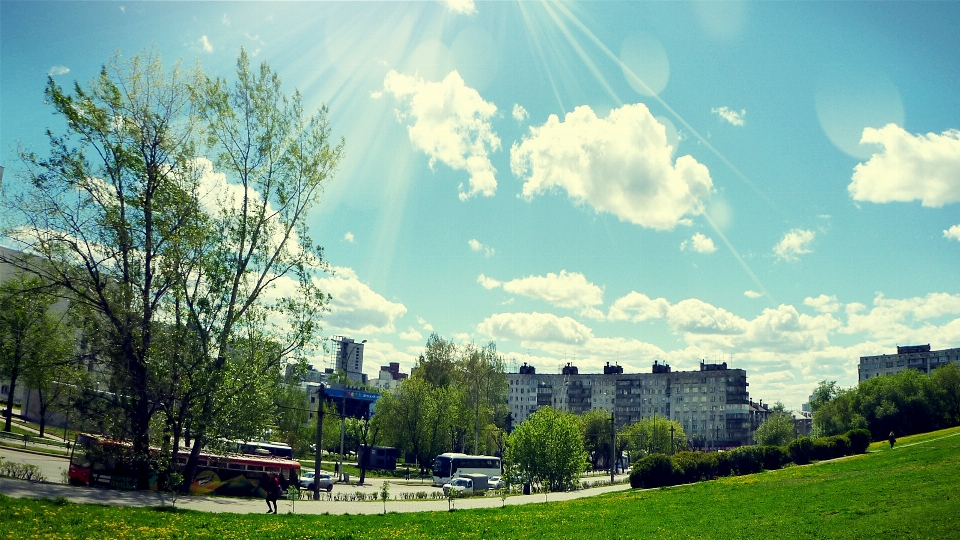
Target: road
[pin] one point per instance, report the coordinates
(51, 467)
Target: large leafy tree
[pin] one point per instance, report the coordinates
(547, 449)
(597, 438)
(276, 159)
(149, 239)
(106, 214)
(484, 383)
(777, 430)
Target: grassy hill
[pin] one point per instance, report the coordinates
(908, 492)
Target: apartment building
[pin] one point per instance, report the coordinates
(712, 403)
(918, 357)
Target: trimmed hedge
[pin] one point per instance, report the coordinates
(652, 471)
(859, 440)
(801, 450)
(659, 470)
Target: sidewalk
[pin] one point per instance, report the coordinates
(86, 495)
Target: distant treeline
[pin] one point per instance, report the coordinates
(905, 403)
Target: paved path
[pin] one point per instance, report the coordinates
(19, 488)
(52, 466)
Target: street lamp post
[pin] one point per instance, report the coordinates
(321, 395)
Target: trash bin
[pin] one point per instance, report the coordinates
(346, 478)
(526, 488)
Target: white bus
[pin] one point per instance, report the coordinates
(451, 465)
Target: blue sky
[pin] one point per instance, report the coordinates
(599, 181)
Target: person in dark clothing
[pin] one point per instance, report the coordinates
(893, 439)
(272, 488)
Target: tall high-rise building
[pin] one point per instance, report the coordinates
(348, 355)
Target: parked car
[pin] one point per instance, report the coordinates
(461, 486)
(323, 479)
(496, 483)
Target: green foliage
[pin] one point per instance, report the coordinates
(824, 448)
(652, 435)
(34, 347)
(547, 449)
(454, 401)
(905, 403)
(801, 450)
(746, 460)
(777, 430)
(859, 440)
(597, 436)
(652, 471)
(774, 457)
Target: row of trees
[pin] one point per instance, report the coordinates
(905, 403)
(168, 213)
(453, 401)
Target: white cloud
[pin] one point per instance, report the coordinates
(907, 320)
(464, 7)
(823, 303)
(519, 113)
(225, 20)
(535, 327)
(733, 117)
(123, 9)
(475, 245)
(794, 243)
(952, 232)
(348, 237)
(427, 327)
(58, 70)
(638, 307)
(698, 317)
(699, 243)
(488, 283)
(924, 167)
(205, 44)
(411, 335)
(620, 164)
(451, 123)
(752, 294)
(565, 290)
(355, 307)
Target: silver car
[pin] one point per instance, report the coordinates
(323, 479)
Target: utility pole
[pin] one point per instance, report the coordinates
(321, 396)
(613, 445)
(672, 447)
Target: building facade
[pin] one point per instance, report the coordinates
(712, 404)
(918, 357)
(348, 355)
(389, 377)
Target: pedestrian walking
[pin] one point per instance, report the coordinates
(892, 438)
(272, 489)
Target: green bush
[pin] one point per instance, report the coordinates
(652, 471)
(823, 448)
(801, 450)
(686, 467)
(859, 440)
(746, 460)
(841, 446)
(774, 457)
(724, 464)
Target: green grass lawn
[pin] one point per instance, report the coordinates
(909, 492)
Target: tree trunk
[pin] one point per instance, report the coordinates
(43, 412)
(13, 386)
